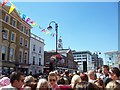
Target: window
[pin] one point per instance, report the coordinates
(26, 42)
(110, 58)
(13, 35)
(22, 28)
(33, 60)
(7, 18)
(39, 61)
(40, 50)
(20, 56)
(21, 41)
(25, 57)
(12, 53)
(33, 47)
(14, 22)
(78, 55)
(75, 56)
(26, 31)
(3, 52)
(84, 55)
(5, 35)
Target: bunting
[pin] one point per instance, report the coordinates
(4, 2)
(11, 8)
(47, 32)
(27, 19)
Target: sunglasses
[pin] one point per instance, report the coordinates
(52, 80)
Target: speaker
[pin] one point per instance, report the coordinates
(84, 66)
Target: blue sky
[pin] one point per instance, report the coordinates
(89, 26)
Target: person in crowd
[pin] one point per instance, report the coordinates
(115, 73)
(58, 75)
(86, 86)
(84, 77)
(105, 76)
(4, 81)
(115, 76)
(66, 81)
(99, 73)
(29, 83)
(61, 81)
(43, 84)
(70, 76)
(113, 85)
(16, 81)
(75, 79)
(62, 85)
(100, 84)
(52, 80)
(77, 72)
(91, 76)
(66, 75)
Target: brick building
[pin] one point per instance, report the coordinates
(14, 42)
(67, 61)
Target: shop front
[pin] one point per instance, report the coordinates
(7, 67)
(35, 69)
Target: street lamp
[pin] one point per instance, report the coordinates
(56, 30)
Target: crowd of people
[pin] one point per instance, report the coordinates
(103, 78)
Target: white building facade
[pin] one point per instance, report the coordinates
(112, 58)
(36, 59)
(84, 60)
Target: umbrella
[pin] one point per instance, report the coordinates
(57, 56)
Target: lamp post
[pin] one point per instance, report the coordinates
(56, 30)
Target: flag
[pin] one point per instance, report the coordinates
(31, 22)
(19, 12)
(4, 2)
(53, 34)
(43, 30)
(28, 19)
(12, 8)
(47, 32)
(40, 27)
(34, 24)
(23, 16)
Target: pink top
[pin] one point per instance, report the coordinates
(65, 87)
(4, 81)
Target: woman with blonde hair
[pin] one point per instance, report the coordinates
(75, 79)
(113, 85)
(43, 84)
(29, 83)
(52, 79)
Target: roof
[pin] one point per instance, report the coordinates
(15, 14)
(82, 52)
(60, 50)
(112, 52)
